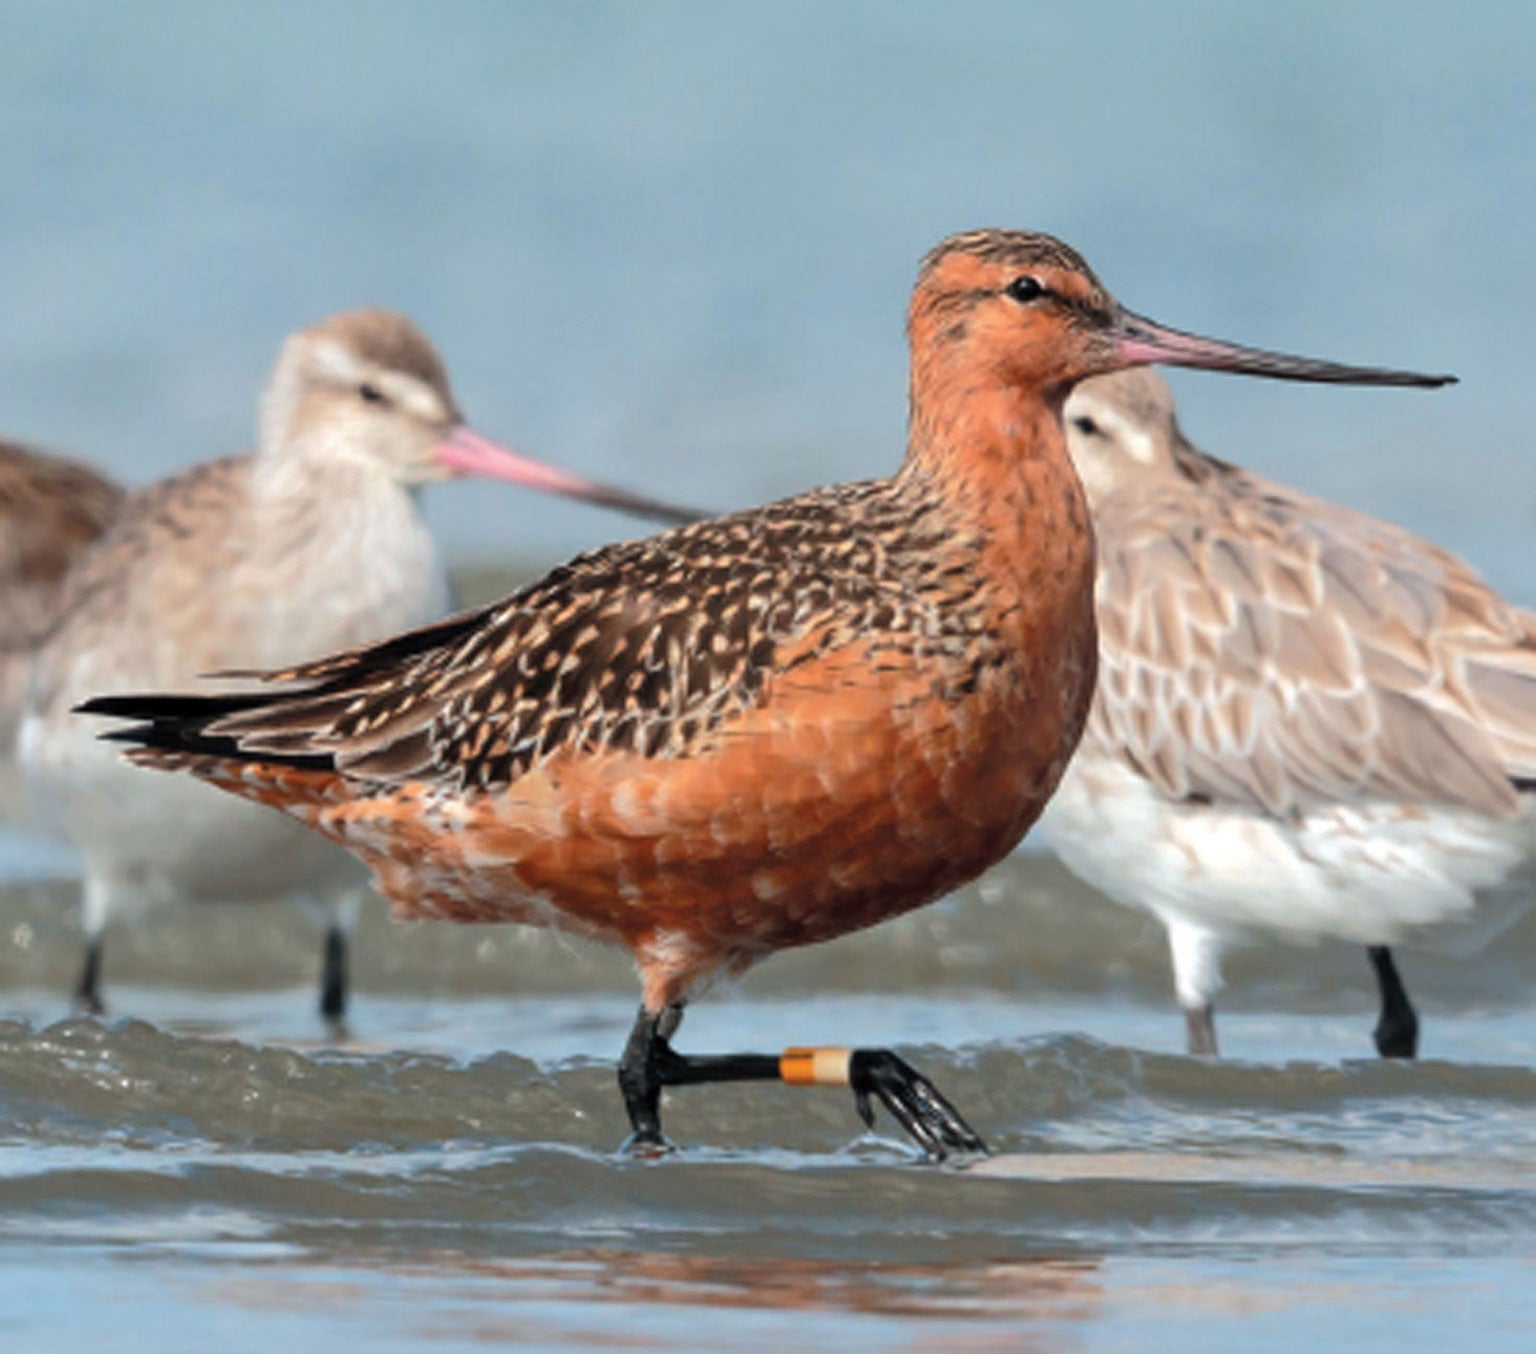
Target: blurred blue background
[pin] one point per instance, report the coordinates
(671, 243)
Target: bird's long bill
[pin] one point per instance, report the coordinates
(465, 452)
(1139, 340)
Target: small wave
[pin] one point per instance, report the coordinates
(100, 1122)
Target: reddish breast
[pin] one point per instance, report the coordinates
(875, 774)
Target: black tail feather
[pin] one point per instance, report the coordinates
(201, 709)
(180, 723)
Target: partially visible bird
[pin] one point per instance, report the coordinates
(1309, 723)
(50, 510)
(756, 732)
(313, 541)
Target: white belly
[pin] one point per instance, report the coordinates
(1373, 873)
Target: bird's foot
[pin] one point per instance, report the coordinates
(913, 1101)
(647, 1145)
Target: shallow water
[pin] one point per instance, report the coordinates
(670, 245)
(205, 1165)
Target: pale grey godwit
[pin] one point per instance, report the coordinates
(50, 510)
(756, 732)
(312, 541)
(1309, 724)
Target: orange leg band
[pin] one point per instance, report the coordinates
(815, 1066)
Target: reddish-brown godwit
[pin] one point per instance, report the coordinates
(50, 510)
(1309, 723)
(756, 732)
(311, 542)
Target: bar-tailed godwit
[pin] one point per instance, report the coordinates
(312, 541)
(50, 510)
(756, 732)
(1309, 724)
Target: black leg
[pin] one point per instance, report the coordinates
(88, 990)
(1200, 1031)
(640, 1082)
(333, 981)
(1397, 1032)
(649, 1063)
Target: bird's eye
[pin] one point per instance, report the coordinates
(1025, 289)
(1084, 424)
(371, 394)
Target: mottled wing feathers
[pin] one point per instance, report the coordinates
(1265, 648)
(50, 510)
(644, 648)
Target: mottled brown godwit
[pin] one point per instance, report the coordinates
(313, 541)
(756, 732)
(50, 510)
(1309, 723)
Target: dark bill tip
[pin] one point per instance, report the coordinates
(1139, 341)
